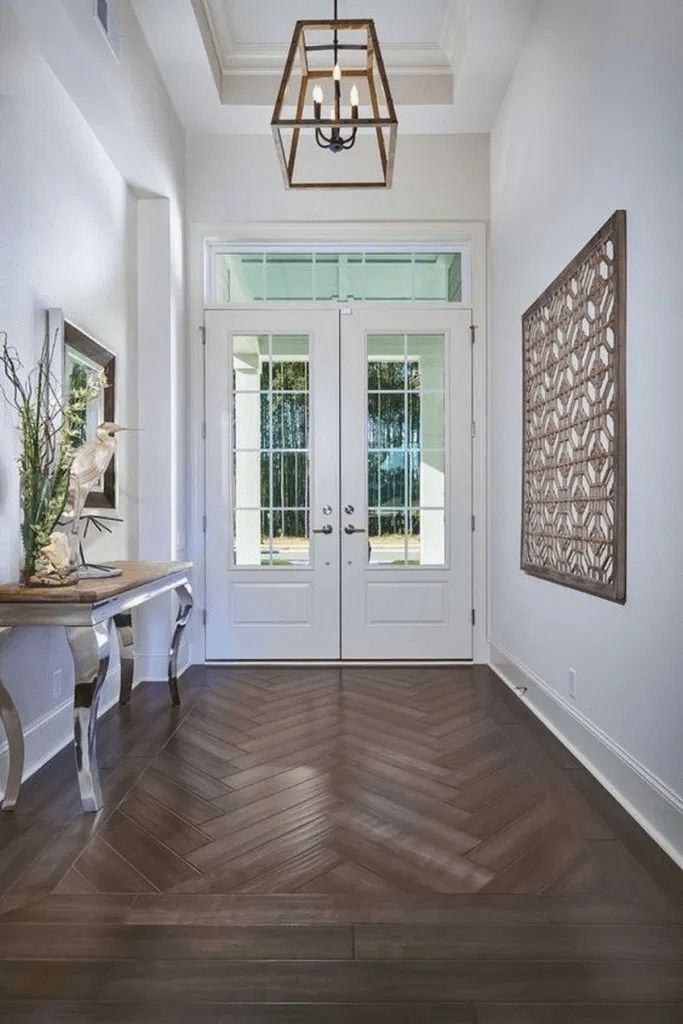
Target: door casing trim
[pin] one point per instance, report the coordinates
(402, 234)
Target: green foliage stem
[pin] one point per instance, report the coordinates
(50, 430)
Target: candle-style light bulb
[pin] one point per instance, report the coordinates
(354, 101)
(333, 114)
(317, 102)
(336, 74)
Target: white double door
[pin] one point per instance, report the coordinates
(338, 484)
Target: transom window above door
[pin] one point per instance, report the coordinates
(237, 277)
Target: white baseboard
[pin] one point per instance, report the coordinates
(652, 803)
(153, 668)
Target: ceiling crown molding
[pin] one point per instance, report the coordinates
(235, 58)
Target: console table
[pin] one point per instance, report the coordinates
(87, 612)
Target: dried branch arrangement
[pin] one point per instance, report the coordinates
(50, 429)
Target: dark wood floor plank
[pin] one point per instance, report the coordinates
(226, 848)
(391, 981)
(225, 1013)
(178, 798)
(109, 941)
(294, 873)
(312, 832)
(108, 871)
(19, 979)
(524, 942)
(268, 806)
(55, 909)
(579, 1014)
(164, 824)
(150, 857)
(407, 909)
(244, 796)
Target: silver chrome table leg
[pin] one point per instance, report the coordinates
(90, 651)
(184, 592)
(15, 739)
(119, 627)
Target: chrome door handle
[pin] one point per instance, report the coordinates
(352, 529)
(326, 529)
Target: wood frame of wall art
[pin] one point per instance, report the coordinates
(81, 348)
(574, 422)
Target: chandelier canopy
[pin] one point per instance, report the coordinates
(326, 58)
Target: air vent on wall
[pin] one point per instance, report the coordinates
(108, 22)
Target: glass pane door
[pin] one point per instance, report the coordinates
(406, 450)
(272, 536)
(271, 450)
(406, 573)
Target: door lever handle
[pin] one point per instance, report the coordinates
(326, 529)
(353, 529)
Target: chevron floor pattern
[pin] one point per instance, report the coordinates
(346, 846)
(325, 781)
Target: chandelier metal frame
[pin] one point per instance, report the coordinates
(334, 133)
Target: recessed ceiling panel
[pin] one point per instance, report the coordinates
(271, 22)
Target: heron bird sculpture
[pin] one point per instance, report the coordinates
(89, 464)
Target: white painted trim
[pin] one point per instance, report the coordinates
(237, 58)
(341, 663)
(409, 233)
(153, 668)
(652, 803)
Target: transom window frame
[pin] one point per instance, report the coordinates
(214, 249)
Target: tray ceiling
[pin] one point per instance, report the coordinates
(449, 61)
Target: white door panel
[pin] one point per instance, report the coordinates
(406, 472)
(272, 412)
(375, 448)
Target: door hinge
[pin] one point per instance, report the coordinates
(202, 334)
(474, 523)
(473, 332)
(204, 616)
(474, 429)
(474, 617)
(204, 431)
(203, 524)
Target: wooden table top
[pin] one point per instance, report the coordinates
(134, 574)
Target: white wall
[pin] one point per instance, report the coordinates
(238, 179)
(68, 238)
(593, 121)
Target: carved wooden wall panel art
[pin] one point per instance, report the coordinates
(574, 436)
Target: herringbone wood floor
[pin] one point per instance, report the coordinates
(372, 782)
(330, 837)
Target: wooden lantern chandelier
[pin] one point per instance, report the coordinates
(313, 44)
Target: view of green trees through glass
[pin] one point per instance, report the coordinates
(405, 450)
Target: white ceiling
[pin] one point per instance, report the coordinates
(259, 22)
(449, 61)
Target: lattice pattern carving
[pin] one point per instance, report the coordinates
(574, 461)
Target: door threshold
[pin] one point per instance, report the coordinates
(341, 663)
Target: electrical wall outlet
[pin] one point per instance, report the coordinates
(57, 684)
(571, 685)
